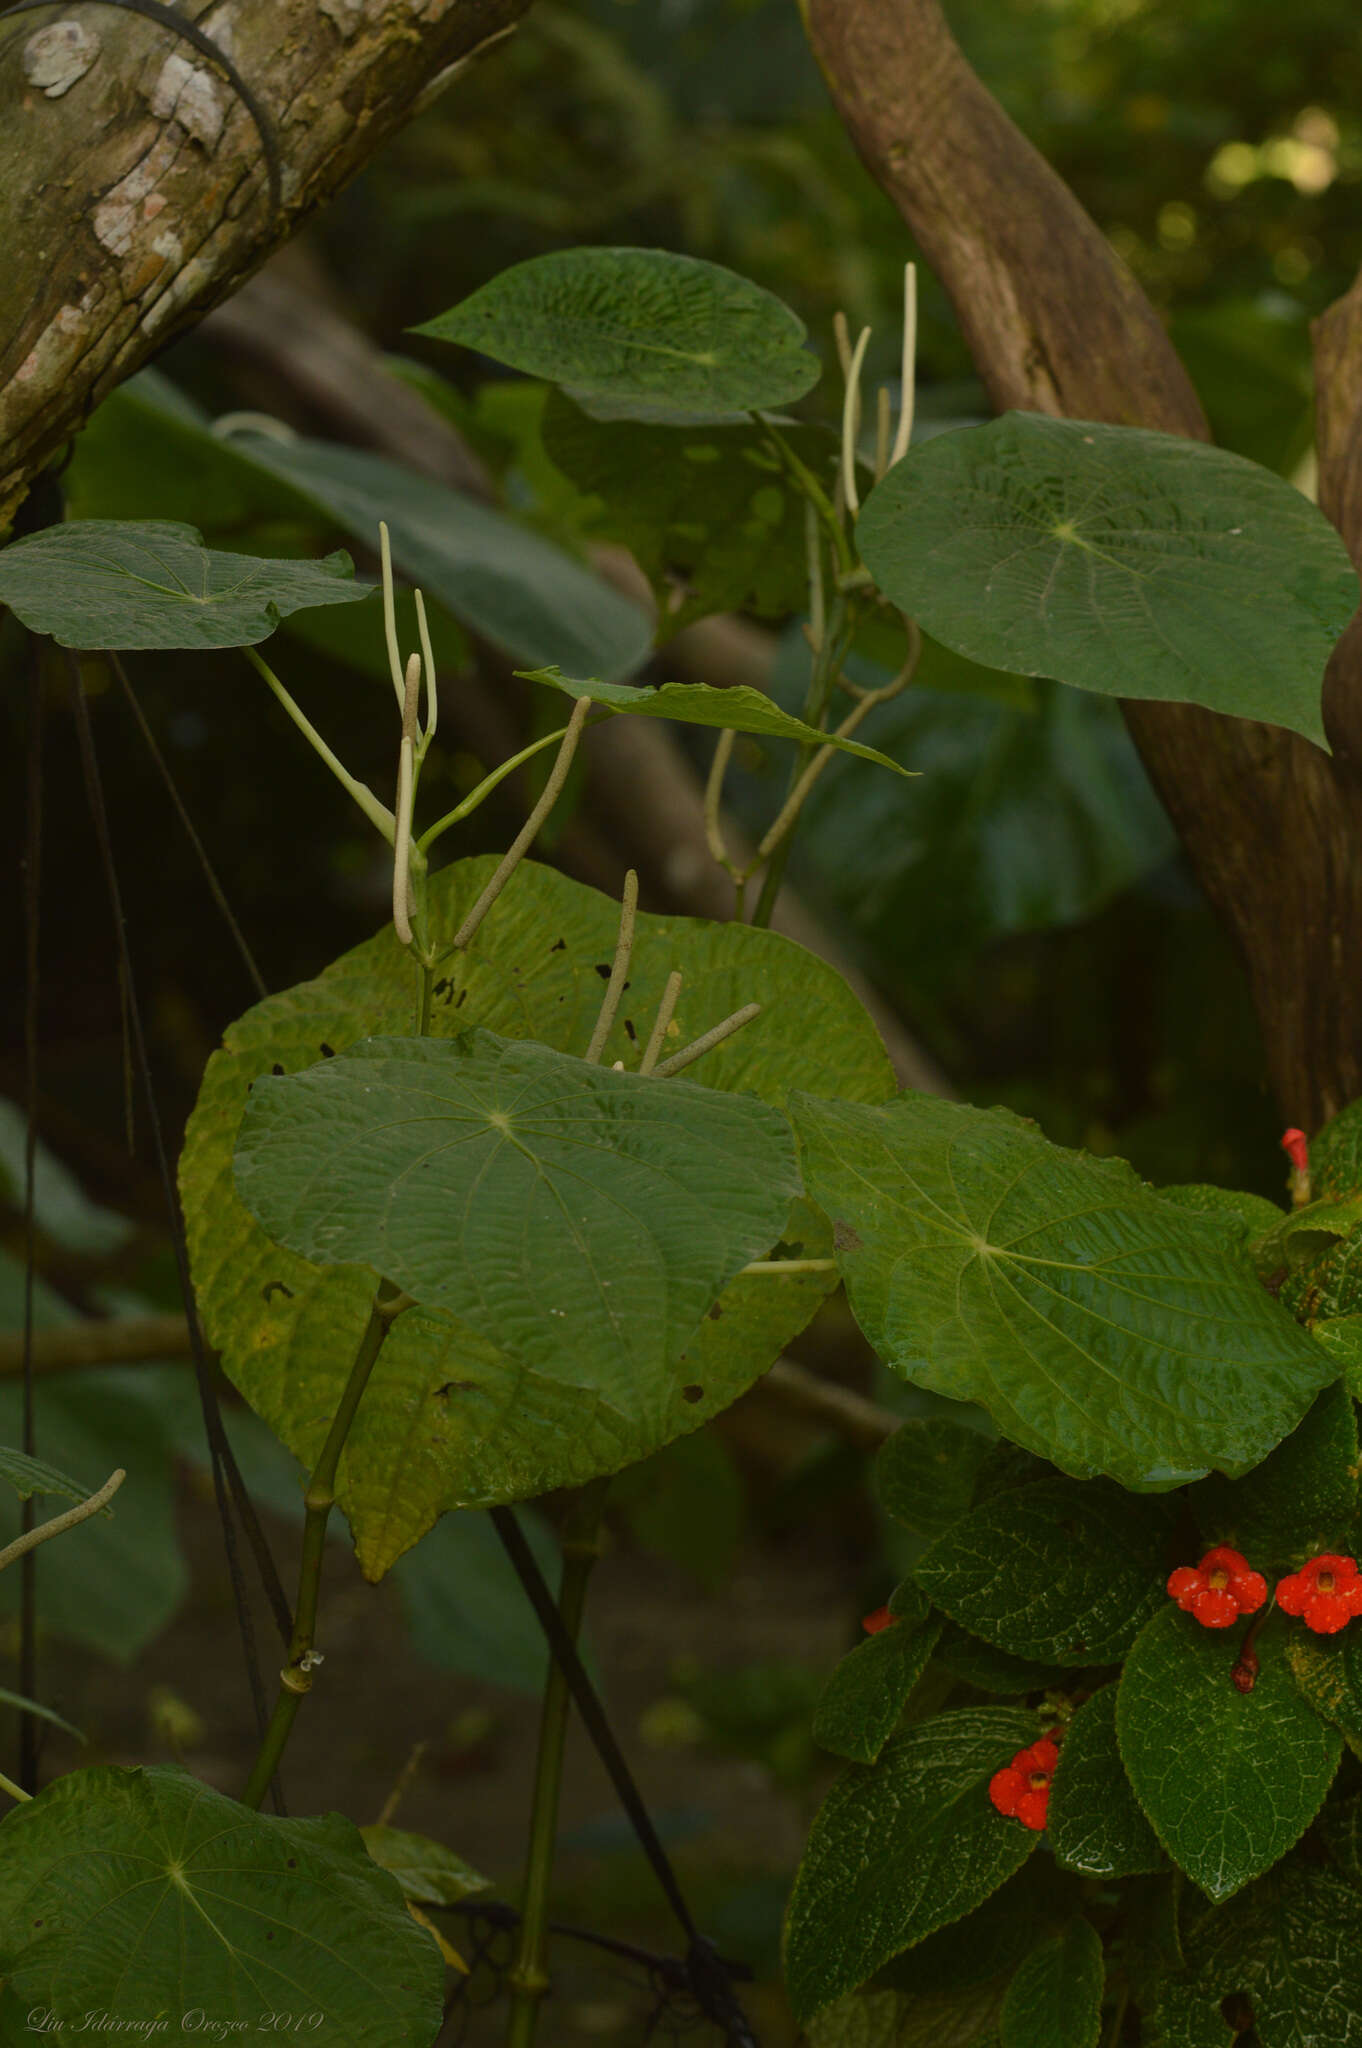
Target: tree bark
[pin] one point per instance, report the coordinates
(134, 191)
(1057, 324)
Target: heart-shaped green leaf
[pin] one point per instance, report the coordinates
(1093, 1821)
(124, 583)
(740, 709)
(1057, 1571)
(1100, 1326)
(1229, 1779)
(450, 1419)
(1131, 563)
(653, 335)
(227, 1913)
(901, 1848)
(580, 1219)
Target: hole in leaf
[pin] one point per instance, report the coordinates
(272, 1286)
(328, 1052)
(629, 1031)
(276, 1068)
(692, 1394)
(603, 969)
(714, 1313)
(558, 946)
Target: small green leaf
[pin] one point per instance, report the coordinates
(30, 1475)
(1302, 1235)
(582, 1220)
(901, 1848)
(740, 709)
(1132, 563)
(860, 1704)
(222, 1911)
(1299, 1501)
(1055, 1999)
(925, 1473)
(875, 2018)
(1061, 1572)
(124, 583)
(1230, 1780)
(428, 1873)
(466, 1610)
(1093, 1821)
(654, 335)
(989, 1265)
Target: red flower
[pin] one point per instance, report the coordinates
(1297, 1149)
(881, 1618)
(1219, 1590)
(1022, 1791)
(1327, 1592)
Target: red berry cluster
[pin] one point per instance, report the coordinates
(1022, 1790)
(1326, 1593)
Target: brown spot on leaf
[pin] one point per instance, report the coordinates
(845, 1239)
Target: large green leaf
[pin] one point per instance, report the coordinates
(1098, 1325)
(580, 1219)
(862, 1700)
(1093, 1820)
(710, 507)
(648, 334)
(1131, 563)
(739, 708)
(125, 583)
(1055, 1999)
(1230, 1780)
(450, 1419)
(1058, 1571)
(1292, 1945)
(140, 1892)
(901, 1848)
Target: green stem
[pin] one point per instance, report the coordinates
(295, 1679)
(485, 788)
(824, 670)
(378, 814)
(528, 1980)
(13, 1791)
